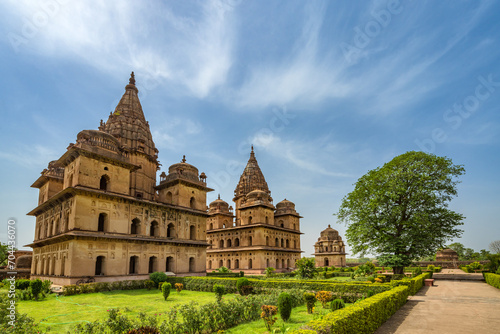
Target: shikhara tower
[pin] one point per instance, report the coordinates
(258, 234)
(101, 213)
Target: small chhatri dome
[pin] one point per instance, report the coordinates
(218, 206)
(329, 233)
(285, 204)
(251, 179)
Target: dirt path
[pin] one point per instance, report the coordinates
(453, 307)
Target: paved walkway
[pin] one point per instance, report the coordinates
(453, 307)
(457, 274)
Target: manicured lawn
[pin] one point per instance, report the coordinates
(62, 313)
(298, 318)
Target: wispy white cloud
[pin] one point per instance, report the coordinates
(30, 156)
(299, 154)
(175, 133)
(192, 50)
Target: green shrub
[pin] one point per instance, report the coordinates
(36, 288)
(475, 266)
(430, 267)
(285, 306)
(492, 279)
(22, 284)
(149, 284)
(23, 323)
(498, 271)
(242, 284)
(337, 304)
(165, 290)
(158, 277)
(363, 317)
(219, 291)
(270, 272)
(310, 301)
(417, 271)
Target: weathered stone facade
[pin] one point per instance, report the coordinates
(256, 235)
(329, 250)
(100, 212)
(446, 254)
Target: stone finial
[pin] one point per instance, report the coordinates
(131, 81)
(218, 197)
(183, 158)
(329, 226)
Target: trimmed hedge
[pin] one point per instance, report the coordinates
(363, 317)
(350, 292)
(414, 284)
(492, 279)
(217, 274)
(70, 290)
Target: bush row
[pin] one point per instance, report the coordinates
(70, 290)
(350, 292)
(193, 318)
(363, 317)
(217, 274)
(492, 279)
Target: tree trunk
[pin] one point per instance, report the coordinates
(398, 270)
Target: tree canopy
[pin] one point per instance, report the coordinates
(400, 210)
(495, 247)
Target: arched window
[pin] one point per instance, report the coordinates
(250, 264)
(236, 264)
(56, 227)
(221, 244)
(295, 244)
(152, 264)
(276, 242)
(53, 266)
(228, 243)
(191, 265)
(221, 263)
(229, 264)
(169, 266)
(210, 264)
(63, 265)
(288, 263)
(192, 232)
(267, 220)
(211, 226)
(153, 229)
(170, 231)
(35, 266)
(103, 184)
(236, 242)
(282, 243)
(283, 263)
(101, 222)
(99, 265)
(294, 226)
(267, 241)
(51, 224)
(134, 227)
(250, 220)
(287, 243)
(326, 262)
(66, 222)
(267, 263)
(192, 203)
(250, 241)
(133, 265)
(168, 198)
(277, 264)
(70, 180)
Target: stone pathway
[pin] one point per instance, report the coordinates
(457, 274)
(450, 306)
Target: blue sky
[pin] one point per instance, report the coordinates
(324, 90)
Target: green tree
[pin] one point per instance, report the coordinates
(306, 267)
(4, 253)
(400, 210)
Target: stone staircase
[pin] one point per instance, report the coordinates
(457, 275)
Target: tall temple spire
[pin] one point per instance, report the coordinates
(128, 124)
(251, 178)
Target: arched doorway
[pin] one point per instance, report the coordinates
(103, 183)
(152, 264)
(169, 266)
(99, 265)
(191, 265)
(101, 222)
(133, 265)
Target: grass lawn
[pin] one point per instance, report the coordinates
(340, 279)
(63, 312)
(298, 318)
